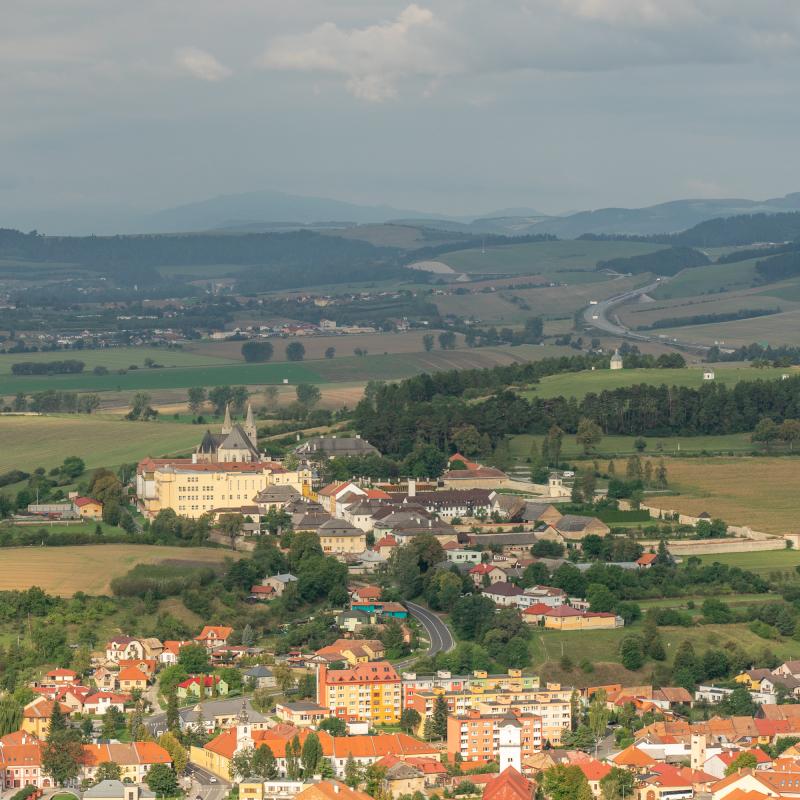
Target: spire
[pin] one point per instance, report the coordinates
(243, 717)
(250, 426)
(227, 425)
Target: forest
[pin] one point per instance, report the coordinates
(661, 262)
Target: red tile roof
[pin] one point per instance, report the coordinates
(509, 785)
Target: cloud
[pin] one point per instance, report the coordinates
(201, 64)
(372, 59)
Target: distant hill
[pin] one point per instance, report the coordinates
(254, 211)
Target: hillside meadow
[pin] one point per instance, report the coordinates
(90, 568)
(579, 384)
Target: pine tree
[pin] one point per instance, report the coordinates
(661, 475)
(311, 755)
(439, 718)
(352, 772)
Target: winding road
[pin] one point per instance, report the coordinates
(439, 635)
(597, 315)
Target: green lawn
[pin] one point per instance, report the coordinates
(542, 257)
(656, 445)
(30, 442)
(167, 378)
(764, 561)
(114, 358)
(579, 384)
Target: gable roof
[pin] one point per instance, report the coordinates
(214, 632)
(509, 785)
(632, 756)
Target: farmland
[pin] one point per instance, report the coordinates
(30, 442)
(90, 569)
(774, 329)
(541, 257)
(758, 492)
(579, 384)
(614, 446)
(711, 278)
(763, 562)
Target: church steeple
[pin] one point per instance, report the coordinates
(250, 426)
(227, 425)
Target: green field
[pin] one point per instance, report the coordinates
(765, 561)
(579, 384)
(541, 257)
(711, 278)
(617, 446)
(114, 358)
(774, 329)
(30, 442)
(167, 378)
(602, 647)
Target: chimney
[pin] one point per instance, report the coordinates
(336, 788)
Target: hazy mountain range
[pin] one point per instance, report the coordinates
(268, 210)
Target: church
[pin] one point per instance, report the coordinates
(235, 442)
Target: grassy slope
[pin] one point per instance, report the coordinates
(711, 278)
(30, 442)
(579, 384)
(545, 257)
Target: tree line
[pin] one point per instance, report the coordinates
(66, 367)
(400, 418)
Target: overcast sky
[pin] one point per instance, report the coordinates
(455, 106)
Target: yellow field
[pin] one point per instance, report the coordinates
(760, 493)
(66, 570)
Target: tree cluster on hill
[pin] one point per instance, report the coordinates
(708, 319)
(778, 268)
(736, 231)
(67, 367)
(669, 261)
(761, 355)
(399, 417)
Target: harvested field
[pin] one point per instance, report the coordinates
(760, 493)
(66, 570)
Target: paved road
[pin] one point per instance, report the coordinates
(439, 636)
(602, 309)
(205, 785)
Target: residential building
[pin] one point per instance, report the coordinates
(567, 618)
(302, 714)
(89, 508)
(350, 651)
(370, 692)
(260, 677)
(117, 790)
(214, 636)
(202, 686)
(36, 716)
(134, 758)
(509, 785)
(336, 447)
(492, 573)
(503, 594)
(132, 679)
(506, 738)
(279, 582)
(338, 536)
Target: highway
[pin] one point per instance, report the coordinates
(602, 309)
(439, 636)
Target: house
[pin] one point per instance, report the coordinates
(124, 647)
(633, 758)
(214, 636)
(99, 702)
(352, 620)
(279, 582)
(331, 790)
(131, 679)
(105, 679)
(483, 574)
(134, 758)
(400, 778)
(350, 651)
(719, 763)
(362, 593)
(261, 594)
(509, 785)
(338, 536)
(478, 478)
(21, 762)
(646, 560)
(386, 545)
(36, 716)
(503, 594)
(275, 498)
(336, 447)
(89, 508)
(171, 651)
(573, 527)
(594, 771)
(509, 544)
(567, 618)
(60, 677)
(145, 665)
(548, 595)
(330, 497)
(202, 686)
(260, 677)
(302, 714)
(456, 554)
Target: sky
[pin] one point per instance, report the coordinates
(111, 108)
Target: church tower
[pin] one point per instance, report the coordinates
(227, 425)
(250, 426)
(509, 749)
(244, 730)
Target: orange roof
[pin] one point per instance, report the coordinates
(332, 489)
(214, 632)
(42, 707)
(131, 674)
(632, 756)
(373, 672)
(378, 494)
(646, 558)
(61, 673)
(387, 541)
(741, 794)
(594, 770)
(368, 592)
(331, 790)
(125, 753)
(538, 609)
(509, 785)
(465, 461)
(85, 501)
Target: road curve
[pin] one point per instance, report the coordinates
(601, 309)
(439, 635)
